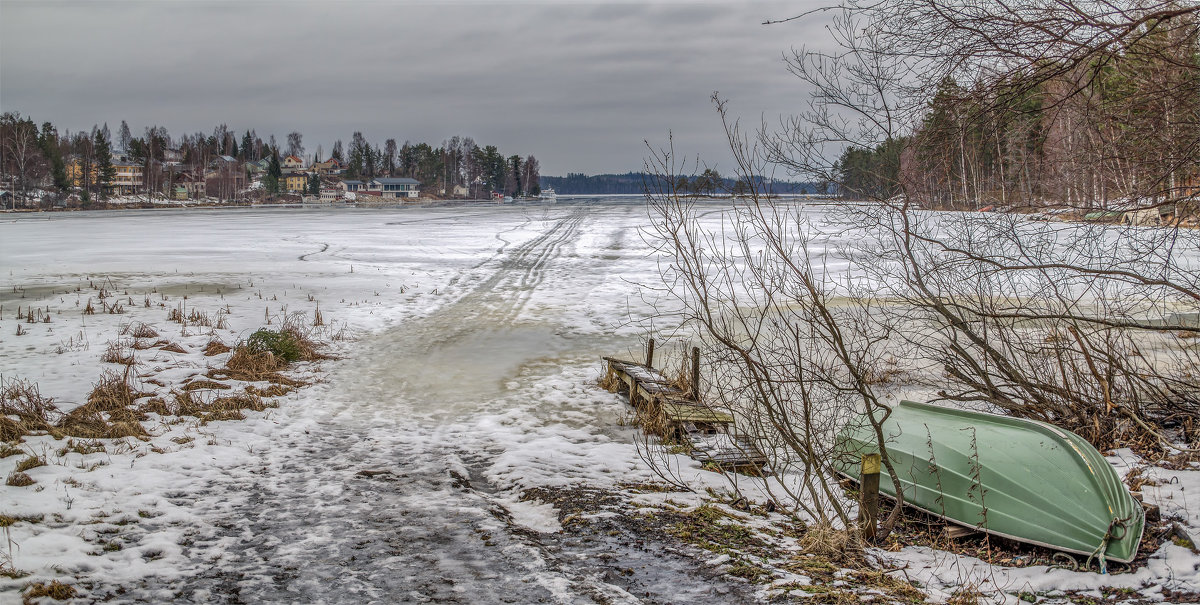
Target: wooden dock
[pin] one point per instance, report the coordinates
(677, 415)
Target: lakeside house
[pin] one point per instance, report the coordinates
(190, 185)
(259, 167)
(394, 188)
(294, 182)
(224, 177)
(330, 195)
(328, 167)
(292, 164)
(350, 186)
(128, 177)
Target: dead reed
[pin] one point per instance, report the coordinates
(138, 329)
(119, 351)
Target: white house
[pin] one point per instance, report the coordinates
(395, 188)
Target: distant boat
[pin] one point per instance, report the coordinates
(1019, 479)
(549, 195)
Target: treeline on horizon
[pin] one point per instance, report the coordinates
(709, 182)
(1099, 133)
(64, 162)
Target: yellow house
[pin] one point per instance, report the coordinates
(294, 182)
(127, 180)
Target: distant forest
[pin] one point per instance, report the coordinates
(708, 182)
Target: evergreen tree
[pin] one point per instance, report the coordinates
(105, 171)
(49, 145)
(247, 144)
(124, 137)
(274, 172)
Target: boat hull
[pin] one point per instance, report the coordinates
(1019, 479)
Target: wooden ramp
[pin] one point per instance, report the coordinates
(671, 413)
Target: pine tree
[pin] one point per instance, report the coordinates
(105, 171)
(274, 172)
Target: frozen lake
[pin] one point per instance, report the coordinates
(457, 449)
(471, 377)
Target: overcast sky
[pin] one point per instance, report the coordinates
(579, 85)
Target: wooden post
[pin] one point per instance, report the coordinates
(650, 354)
(696, 372)
(868, 511)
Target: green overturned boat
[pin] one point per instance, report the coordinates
(1019, 479)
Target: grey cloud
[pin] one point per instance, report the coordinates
(578, 85)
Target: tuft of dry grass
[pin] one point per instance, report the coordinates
(196, 385)
(967, 595)
(841, 546)
(19, 479)
(155, 405)
(199, 318)
(55, 590)
(215, 347)
(173, 347)
(250, 366)
(275, 390)
(23, 400)
(8, 449)
(119, 351)
(30, 462)
(230, 407)
(138, 329)
(109, 412)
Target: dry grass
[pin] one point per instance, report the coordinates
(155, 405)
(119, 351)
(138, 329)
(199, 318)
(967, 595)
(30, 462)
(19, 479)
(230, 407)
(33, 412)
(275, 390)
(250, 366)
(55, 590)
(196, 385)
(841, 546)
(216, 347)
(109, 412)
(174, 347)
(610, 382)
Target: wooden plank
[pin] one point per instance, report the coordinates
(677, 412)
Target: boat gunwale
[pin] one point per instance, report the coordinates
(1001, 534)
